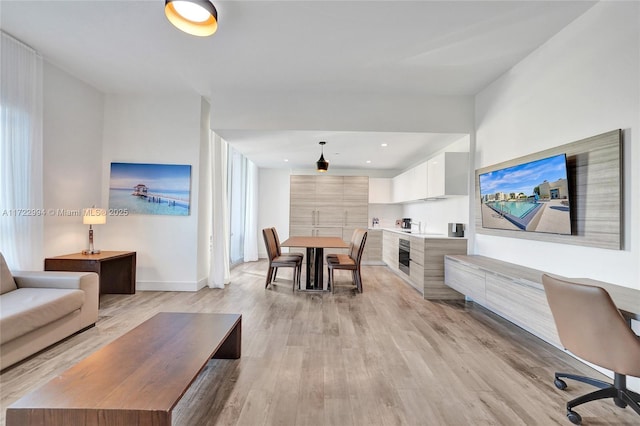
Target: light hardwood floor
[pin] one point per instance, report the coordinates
(383, 357)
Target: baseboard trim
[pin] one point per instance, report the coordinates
(169, 285)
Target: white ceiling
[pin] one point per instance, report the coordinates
(384, 48)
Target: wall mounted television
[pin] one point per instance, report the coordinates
(529, 197)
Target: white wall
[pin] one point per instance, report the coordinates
(163, 130)
(583, 82)
(436, 215)
(273, 204)
(387, 214)
(72, 136)
(368, 112)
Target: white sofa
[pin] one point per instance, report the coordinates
(38, 309)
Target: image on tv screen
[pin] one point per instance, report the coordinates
(531, 196)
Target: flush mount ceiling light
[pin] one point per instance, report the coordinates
(195, 17)
(322, 164)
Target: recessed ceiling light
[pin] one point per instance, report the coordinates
(286, 160)
(383, 144)
(368, 161)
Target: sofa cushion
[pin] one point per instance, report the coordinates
(26, 309)
(7, 282)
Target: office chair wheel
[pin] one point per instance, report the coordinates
(574, 417)
(560, 384)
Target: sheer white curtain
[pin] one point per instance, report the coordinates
(251, 214)
(219, 264)
(21, 209)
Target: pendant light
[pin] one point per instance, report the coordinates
(322, 164)
(195, 17)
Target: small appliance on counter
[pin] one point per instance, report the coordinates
(456, 229)
(406, 224)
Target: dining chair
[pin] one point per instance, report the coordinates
(349, 261)
(300, 256)
(282, 261)
(591, 327)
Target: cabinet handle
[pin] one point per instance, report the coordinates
(469, 265)
(525, 283)
(318, 217)
(345, 217)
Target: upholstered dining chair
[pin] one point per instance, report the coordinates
(592, 328)
(279, 261)
(349, 261)
(300, 256)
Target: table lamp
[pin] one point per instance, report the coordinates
(93, 216)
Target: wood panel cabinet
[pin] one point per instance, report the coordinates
(512, 291)
(426, 266)
(521, 302)
(416, 263)
(302, 201)
(355, 202)
(331, 206)
(390, 246)
(329, 194)
(373, 247)
(467, 279)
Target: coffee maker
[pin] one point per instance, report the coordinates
(456, 229)
(406, 223)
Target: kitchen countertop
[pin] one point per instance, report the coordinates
(424, 235)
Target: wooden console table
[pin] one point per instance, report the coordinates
(116, 269)
(138, 378)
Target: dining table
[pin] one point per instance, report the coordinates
(315, 250)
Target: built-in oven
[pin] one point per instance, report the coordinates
(404, 252)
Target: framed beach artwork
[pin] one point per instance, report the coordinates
(138, 188)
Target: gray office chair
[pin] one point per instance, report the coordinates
(591, 327)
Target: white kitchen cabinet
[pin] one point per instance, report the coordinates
(380, 190)
(447, 175)
(401, 187)
(419, 180)
(411, 185)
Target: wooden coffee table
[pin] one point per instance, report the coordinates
(138, 378)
